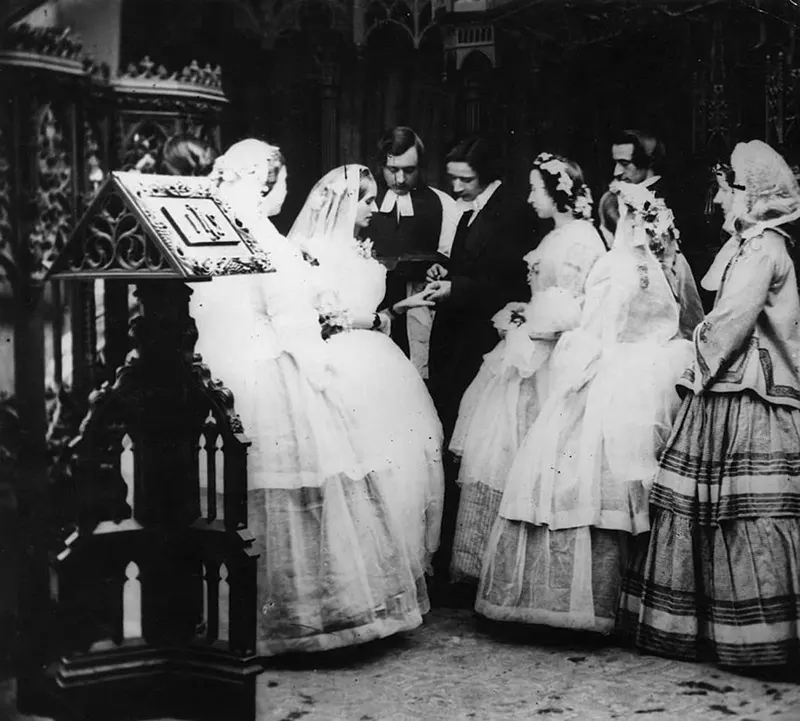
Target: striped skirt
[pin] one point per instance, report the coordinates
(720, 578)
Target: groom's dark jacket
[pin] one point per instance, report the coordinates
(487, 270)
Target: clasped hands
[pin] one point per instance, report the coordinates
(437, 289)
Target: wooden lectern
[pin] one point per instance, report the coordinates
(152, 593)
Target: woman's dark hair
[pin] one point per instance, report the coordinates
(564, 200)
(185, 154)
(648, 150)
(608, 211)
(398, 141)
(479, 154)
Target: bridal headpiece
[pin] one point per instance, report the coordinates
(576, 194)
(329, 212)
(653, 221)
(249, 158)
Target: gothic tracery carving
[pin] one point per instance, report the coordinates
(415, 17)
(52, 226)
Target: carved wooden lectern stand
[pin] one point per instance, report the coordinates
(152, 606)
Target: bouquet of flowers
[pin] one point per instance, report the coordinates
(332, 319)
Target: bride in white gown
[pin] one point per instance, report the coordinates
(392, 415)
(333, 568)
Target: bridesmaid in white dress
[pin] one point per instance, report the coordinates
(513, 382)
(391, 415)
(333, 569)
(577, 491)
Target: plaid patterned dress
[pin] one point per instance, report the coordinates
(720, 578)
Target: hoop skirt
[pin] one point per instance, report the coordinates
(720, 579)
(333, 568)
(392, 416)
(513, 384)
(577, 492)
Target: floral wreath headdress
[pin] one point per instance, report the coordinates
(579, 199)
(262, 160)
(653, 220)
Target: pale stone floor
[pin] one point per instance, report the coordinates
(453, 668)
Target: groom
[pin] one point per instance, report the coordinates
(484, 272)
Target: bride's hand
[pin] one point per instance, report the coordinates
(413, 301)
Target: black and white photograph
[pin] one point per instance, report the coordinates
(399, 360)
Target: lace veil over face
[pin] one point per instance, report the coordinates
(633, 301)
(771, 192)
(330, 210)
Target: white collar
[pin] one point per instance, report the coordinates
(773, 224)
(392, 200)
(652, 180)
(478, 204)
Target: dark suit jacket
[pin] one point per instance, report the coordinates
(402, 244)
(487, 271)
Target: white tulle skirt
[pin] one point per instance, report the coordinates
(578, 488)
(335, 564)
(496, 412)
(394, 420)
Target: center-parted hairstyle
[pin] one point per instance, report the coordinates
(480, 155)
(648, 150)
(329, 213)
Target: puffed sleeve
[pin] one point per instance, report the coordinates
(287, 298)
(558, 308)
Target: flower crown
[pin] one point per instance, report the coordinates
(649, 212)
(579, 199)
(227, 171)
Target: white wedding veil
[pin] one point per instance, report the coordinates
(330, 208)
(633, 302)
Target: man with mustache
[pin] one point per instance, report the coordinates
(414, 223)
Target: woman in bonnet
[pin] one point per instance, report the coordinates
(513, 383)
(721, 577)
(333, 569)
(392, 417)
